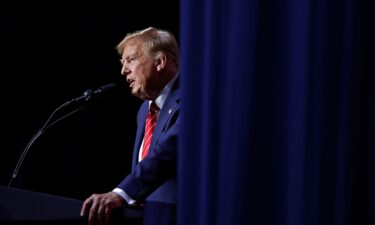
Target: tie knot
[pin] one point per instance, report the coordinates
(154, 108)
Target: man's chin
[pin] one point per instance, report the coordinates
(134, 92)
(138, 95)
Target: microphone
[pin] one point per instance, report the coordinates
(88, 96)
(99, 93)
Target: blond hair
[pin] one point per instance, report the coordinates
(156, 40)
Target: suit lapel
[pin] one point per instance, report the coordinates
(170, 107)
(140, 131)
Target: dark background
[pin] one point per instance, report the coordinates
(53, 51)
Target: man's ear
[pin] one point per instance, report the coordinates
(161, 61)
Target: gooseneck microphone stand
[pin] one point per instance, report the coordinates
(86, 97)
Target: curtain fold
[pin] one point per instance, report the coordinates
(277, 112)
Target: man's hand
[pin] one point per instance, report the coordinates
(99, 207)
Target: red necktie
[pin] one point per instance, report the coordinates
(149, 129)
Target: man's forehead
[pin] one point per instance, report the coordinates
(131, 48)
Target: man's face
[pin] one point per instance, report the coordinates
(138, 67)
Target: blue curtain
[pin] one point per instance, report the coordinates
(278, 112)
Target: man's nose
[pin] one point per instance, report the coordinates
(124, 70)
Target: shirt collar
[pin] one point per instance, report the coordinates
(164, 93)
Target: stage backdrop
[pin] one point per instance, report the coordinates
(278, 112)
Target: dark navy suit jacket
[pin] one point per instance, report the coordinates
(153, 180)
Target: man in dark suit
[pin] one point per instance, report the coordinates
(150, 64)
